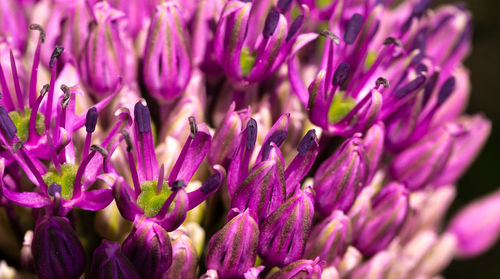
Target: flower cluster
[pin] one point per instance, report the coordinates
(236, 139)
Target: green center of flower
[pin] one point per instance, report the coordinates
(66, 179)
(22, 123)
(323, 3)
(150, 201)
(247, 60)
(340, 107)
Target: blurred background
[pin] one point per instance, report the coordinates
(484, 175)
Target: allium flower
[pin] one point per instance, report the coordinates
(339, 138)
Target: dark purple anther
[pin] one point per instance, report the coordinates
(306, 143)
(295, 27)
(193, 126)
(6, 124)
(271, 23)
(251, 133)
(420, 7)
(210, 184)
(446, 90)
(429, 88)
(410, 87)
(352, 28)
(178, 184)
(57, 52)
(142, 117)
(278, 138)
(382, 81)
(283, 5)
(91, 120)
(392, 41)
(54, 188)
(39, 29)
(341, 74)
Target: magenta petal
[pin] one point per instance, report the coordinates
(477, 226)
(29, 199)
(94, 200)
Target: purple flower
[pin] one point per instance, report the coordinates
(388, 213)
(109, 262)
(251, 42)
(165, 202)
(339, 179)
(56, 249)
(233, 249)
(284, 233)
(167, 65)
(149, 248)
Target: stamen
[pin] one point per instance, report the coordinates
(142, 117)
(420, 7)
(34, 111)
(20, 147)
(7, 125)
(53, 154)
(251, 134)
(296, 24)
(36, 62)
(446, 90)
(91, 120)
(104, 153)
(327, 34)
(193, 127)
(382, 81)
(271, 23)
(210, 184)
(38, 28)
(17, 86)
(159, 183)
(131, 163)
(67, 95)
(410, 87)
(54, 188)
(6, 92)
(353, 28)
(341, 74)
(178, 184)
(77, 188)
(56, 54)
(306, 143)
(283, 5)
(429, 88)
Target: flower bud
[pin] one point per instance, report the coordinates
(422, 162)
(109, 262)
(106, 57)
(57, 251)
(233, 249)
(477, 226)
(149, 249)
(167, 65)
(329, 239)
(340, 178)
(376, 268)
(466, 148)
(301, 269)
(184, 258)
(285, 232)
(389, 210)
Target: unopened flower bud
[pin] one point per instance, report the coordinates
(184, 258)
(109, 262)
(285, 232)
(305, 269)
(57, 251)
(329, 239)
(340, 178)
(148, 247)
(389, 210)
